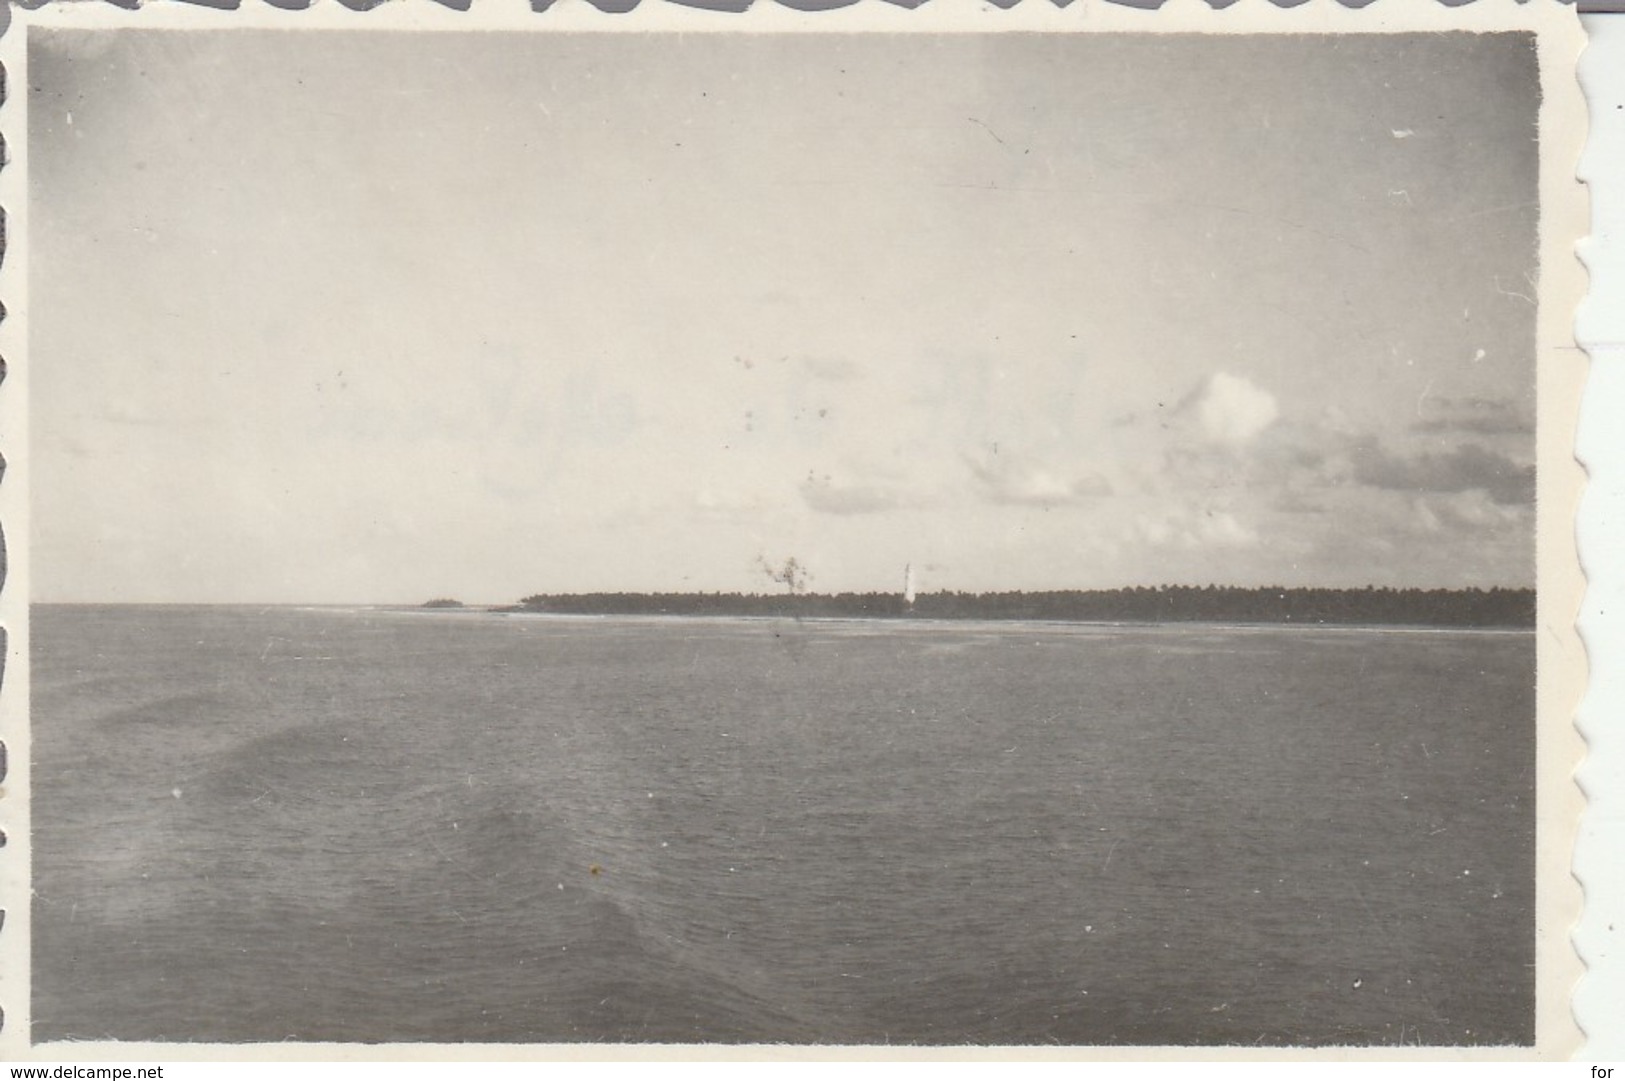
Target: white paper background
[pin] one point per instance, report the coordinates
(1600, 860)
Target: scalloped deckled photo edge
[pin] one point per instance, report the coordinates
(1006, 468)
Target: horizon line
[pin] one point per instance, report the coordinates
(780, 594)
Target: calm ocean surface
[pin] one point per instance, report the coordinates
(263, 824)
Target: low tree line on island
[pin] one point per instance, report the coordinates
(1139, 604)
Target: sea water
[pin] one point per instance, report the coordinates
(271, 824)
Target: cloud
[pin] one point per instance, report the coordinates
(1191, 529)
(1482, 416)
(1224, 530)
(1231, 410)
(1466, 468)
(825, 495)
(120, 415)
(1009, 479)
(710, 500)
(1295, 501)
(1471, 510)
(833, 369)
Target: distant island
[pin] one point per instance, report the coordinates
(1140, 604)
(443, 602)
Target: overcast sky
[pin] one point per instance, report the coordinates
(324, 318)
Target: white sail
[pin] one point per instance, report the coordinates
(908, 584)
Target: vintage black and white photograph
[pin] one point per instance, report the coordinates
(1013, 538)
